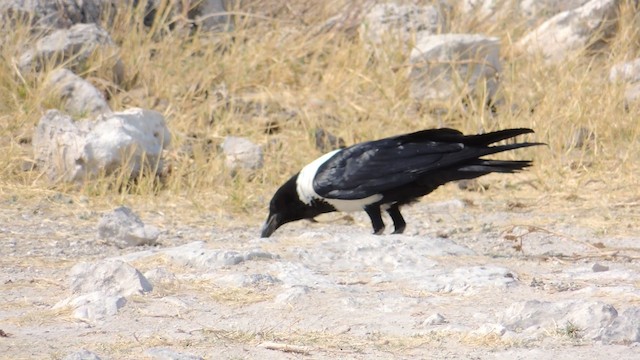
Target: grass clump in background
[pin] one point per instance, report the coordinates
(278, 67)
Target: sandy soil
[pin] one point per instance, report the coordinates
(330, 291)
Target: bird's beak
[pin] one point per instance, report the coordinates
(272, 223)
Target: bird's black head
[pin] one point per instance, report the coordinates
(285, 206)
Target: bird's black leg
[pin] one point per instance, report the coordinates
(398, 221)
(376, 219)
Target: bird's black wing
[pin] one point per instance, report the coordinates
(373, 167)
(369, 168)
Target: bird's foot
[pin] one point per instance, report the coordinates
(399, 230)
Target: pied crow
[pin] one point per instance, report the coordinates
(388, 173)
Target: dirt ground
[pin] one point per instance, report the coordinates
(331, 290)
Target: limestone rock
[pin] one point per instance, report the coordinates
(83, 354)
(100, 289)
(196, 255)
(573, 30)
(127, 141)
(632, 93)
(132, 139)
(160, 275)
(628, 72)
(47, 14)
(451, 65)
(71, 46)
(485, 8)
(588, 317)
(94, 306)
(400, 21)
(625, 329)
(241, 153)
(532, 10)
(434, 319)
(292, 294)
(541, 8)
(79, 96)
(58, 144)
(110, 277)
(490, 329)
(212, 15)
(599, 268)
(123, 228)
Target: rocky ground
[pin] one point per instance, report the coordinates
(479, 279)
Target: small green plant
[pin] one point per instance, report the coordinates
(569, 330)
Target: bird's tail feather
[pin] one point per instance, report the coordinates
(494, 137)
(497, 166)
(485, 166)
(500, 148)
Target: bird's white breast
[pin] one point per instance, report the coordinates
(307, 194)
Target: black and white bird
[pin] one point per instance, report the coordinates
(385, 174)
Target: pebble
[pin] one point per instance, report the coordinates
(435, 319)
(599, 268)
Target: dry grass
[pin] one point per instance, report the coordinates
(274, 62)
(41, 317)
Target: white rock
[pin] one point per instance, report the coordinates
(434, 319)
(463, 280)
(100, 289)
(56, 14)
(625, 72)
(599, 268)
(196, 255)
(632, 94)
(400, 21)
(292, 295)
(168, 354)
(541, 8)
(212, 15)
(58, 143)
(241, 153)
(94, 306)
(298, 275)
(257, 254)
(109, 277)
(71, 46)
(589, 317)
(79, 96)
(451, 65)
(130, 139)
(625, 329)
(74, 151)
(123, 228)
(160, 275)
(485, 8)
(572, 30)
(382, 259)
(492, 274)
(350, 251)
(207, 15)
(490, 329)
(530, 9)
(82, 355)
